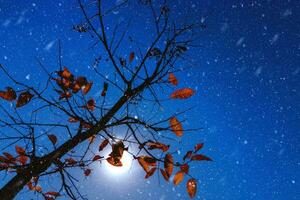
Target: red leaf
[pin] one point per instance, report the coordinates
(185, 168)
(22, 159)
(9, 94)
(191, 187)
(150, 172)
(24, 98)
(70, 161)
(97, 157)
(178, 177)
(52, 138)
(168, 164)
(183, 93)
(187, 155)
(131, 57)
(103, 144)
(20, 150)
(87, 172)
(200, 157)
(176, 126)
(172, 79)
(198, 147)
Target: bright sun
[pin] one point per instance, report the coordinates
(126, 161)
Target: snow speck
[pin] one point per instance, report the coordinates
(240, 41)
(258, 71)
(49, 45)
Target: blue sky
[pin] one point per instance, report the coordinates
(246, 73)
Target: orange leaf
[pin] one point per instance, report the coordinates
(191, 187)
(168, 164)
(172, 79)
(103, 144)
(37, 188)
(176, 126)
(200, 157)
(87, 172)
(65, 73)
(150, 172)
(182, 93)
(164, 174)
(20, 150)
(87, 88)
(131, 57)
(143, 164)
(24, 98)
(9, 94)
(157, 145)
(178, 177)
(52, 138)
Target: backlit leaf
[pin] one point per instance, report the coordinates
(183, 93)
(178, 177)
(185, 168)
(168, 164)
(176, 126)
(172, 79)
(87, 172)
(87, 88)
(191, 187)
(97, 157)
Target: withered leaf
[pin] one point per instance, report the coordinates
(52, 138)
(200, 157)
(9, 94)
(20, 150)
(103, 144)
(24, 98)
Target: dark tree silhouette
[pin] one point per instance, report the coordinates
(79, 119)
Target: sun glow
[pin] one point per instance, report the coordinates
(126, 161)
